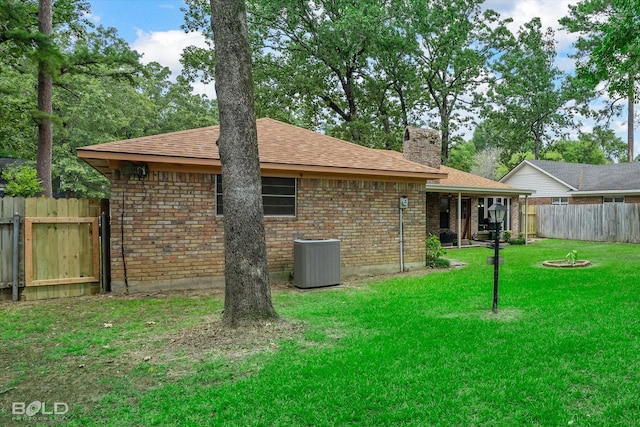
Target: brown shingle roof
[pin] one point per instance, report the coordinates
(458, 178)
(281, 147)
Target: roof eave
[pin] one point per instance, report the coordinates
(437, 188)
(605, 192)
(265, 167)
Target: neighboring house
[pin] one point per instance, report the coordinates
(560, 183)
(166, 204)
(4, 164)
(460, 202)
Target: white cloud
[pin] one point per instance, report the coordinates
(165, 47)
(549, 12)
(93, 18)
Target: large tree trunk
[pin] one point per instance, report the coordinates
(45, 105)
(247, 287)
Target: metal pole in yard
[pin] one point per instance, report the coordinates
(496, 264)
(16, 254)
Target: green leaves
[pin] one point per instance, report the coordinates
(527, 100)
(608, 51)
(101, 91)
(22, 181)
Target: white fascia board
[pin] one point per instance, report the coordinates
(605, 193)
(437, 188)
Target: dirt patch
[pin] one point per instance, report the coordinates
(237, 342)
(566, 264)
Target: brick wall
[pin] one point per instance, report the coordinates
(173, 239)
(632, 199)
(433, 213)
(595, 200)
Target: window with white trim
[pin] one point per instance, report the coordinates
(613, 199)
(484, 203)
(278, 196)
(559, 200)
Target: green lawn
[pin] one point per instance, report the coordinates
(564, 349)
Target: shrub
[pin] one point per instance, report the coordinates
(441, 263)
(518, 241)
(506, 235)
(435, 253)
(22, 181)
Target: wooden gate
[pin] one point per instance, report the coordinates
(61, 248)
(59, 251)
(532, 224)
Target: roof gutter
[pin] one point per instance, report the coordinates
(604, 193)
(266, 167)
(437, 188)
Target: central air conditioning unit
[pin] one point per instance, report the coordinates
(316, 263)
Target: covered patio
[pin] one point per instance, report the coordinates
(459, 205)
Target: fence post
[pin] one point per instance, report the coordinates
(16, 252)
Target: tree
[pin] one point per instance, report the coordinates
(45, 101)
(53, 41)
(322, 55)
(613, 148)
(461, 156)
(528, 99)
(486, 162)
(608, 51)
(247, 287)
(342, 67)
(455, 42)
(22, 181)
(597, 148)
(101, 93)
(579, 152)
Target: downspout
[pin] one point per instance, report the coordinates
(401, 242)
(404, 203)
(124, 261)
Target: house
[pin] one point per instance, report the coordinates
(166, 210)
(560, 183)
(460, 201)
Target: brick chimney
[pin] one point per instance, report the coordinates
(422, 146)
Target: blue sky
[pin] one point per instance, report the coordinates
(152, 27)
(131, 16)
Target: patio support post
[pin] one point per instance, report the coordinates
(459, 219)
(16, 254)
(526, 219)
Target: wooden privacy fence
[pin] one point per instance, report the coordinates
(608, 222)
(11, 246)
(59, 247)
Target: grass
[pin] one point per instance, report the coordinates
(410, 350)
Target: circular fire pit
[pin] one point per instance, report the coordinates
(563, 263)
